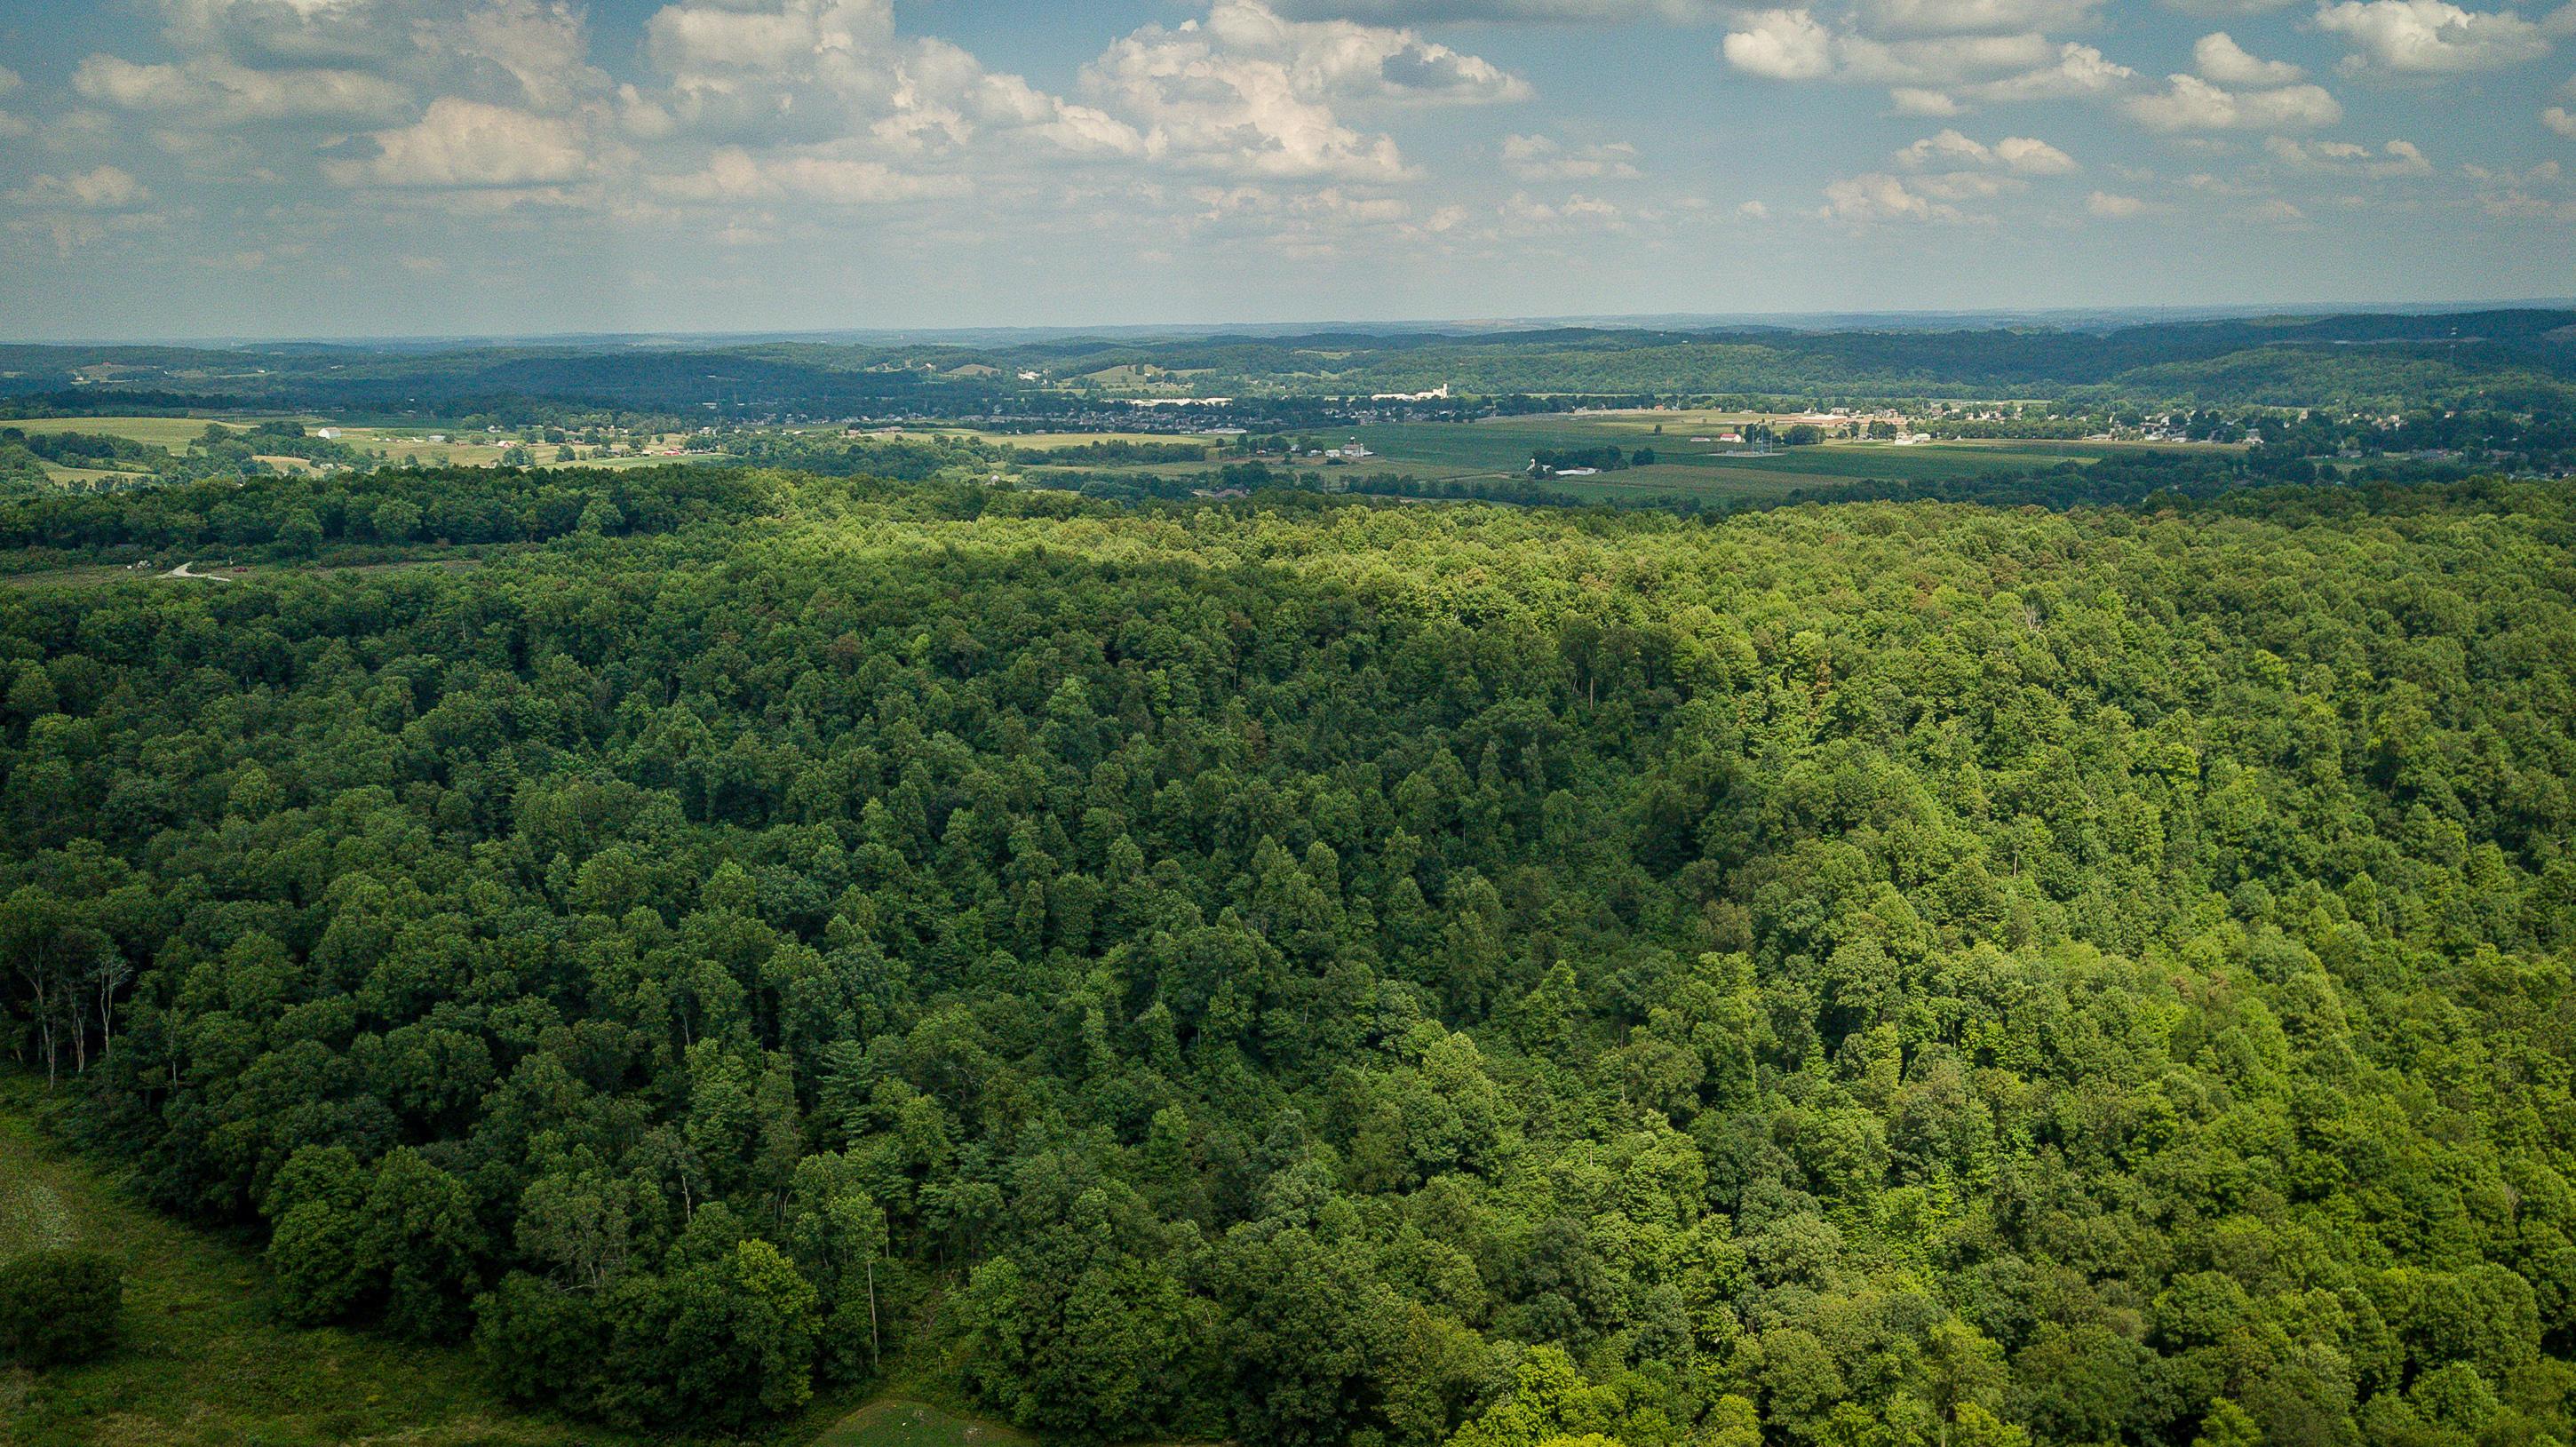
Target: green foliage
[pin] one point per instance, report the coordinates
(1311, 972)
(58, 1304)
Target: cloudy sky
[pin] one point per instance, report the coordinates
(201, 168)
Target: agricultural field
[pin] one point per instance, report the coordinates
(1502, 449)
(175, 433)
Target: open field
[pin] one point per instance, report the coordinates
(77, 476)
(201, 572)
(894, 1422)
(174, 433)
(1498, 451)
(204, 1360)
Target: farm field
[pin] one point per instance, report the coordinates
(174, 433)
(1503, 449)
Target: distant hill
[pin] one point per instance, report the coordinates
(2506, 357)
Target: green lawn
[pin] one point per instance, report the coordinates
(204, 1361)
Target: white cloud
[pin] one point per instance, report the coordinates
(1541, 12)
(1926, 74)
(463, 143)
(1522, 211)
(2558, 119)
(801, 72)
(2034, 157)
(2397, 158)
(2114, 207)
(213, 91)
(2218, 57)
(2078, 70)
(1540, 158)
(108, 188)
(1248, 91)
(2189, 103)
(733, 174)
(2231, 9)
(1976, 17)
(2020, 154)
(2434, 37)
(1876, 197)
(10, 80)
(1781, 45)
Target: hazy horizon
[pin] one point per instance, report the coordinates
(1966, 319)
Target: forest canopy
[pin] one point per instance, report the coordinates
(1316, 971)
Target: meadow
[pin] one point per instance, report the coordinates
(205, 1359)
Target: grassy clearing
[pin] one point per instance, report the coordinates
(94, 576)
(83, 476)
(204, 1361)
(174, 433)
(895, 1422)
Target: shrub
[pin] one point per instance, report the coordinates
(58, 1305)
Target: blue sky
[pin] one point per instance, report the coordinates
(196, 168)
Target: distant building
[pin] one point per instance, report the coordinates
(328, 434)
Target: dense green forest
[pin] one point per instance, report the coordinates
(1315, 971)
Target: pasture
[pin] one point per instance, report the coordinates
(174, 433)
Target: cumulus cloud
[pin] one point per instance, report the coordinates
(2022, 155)
(2218, 57)
(1878, 197)
(1927, 73)
(1781, 45)
(2114, 207)
(108, 188)
(1247, 90)
(2231, 9)
(2189, 103)
(1976, 17)
(1542, 12)
(213, 91)
(2078, 70)
(734, 174)
(2434, 37)
(2397, 158)
(1521, 210)
(1540, 158)
(795, 72)
(462, 143)
(2558, 119)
